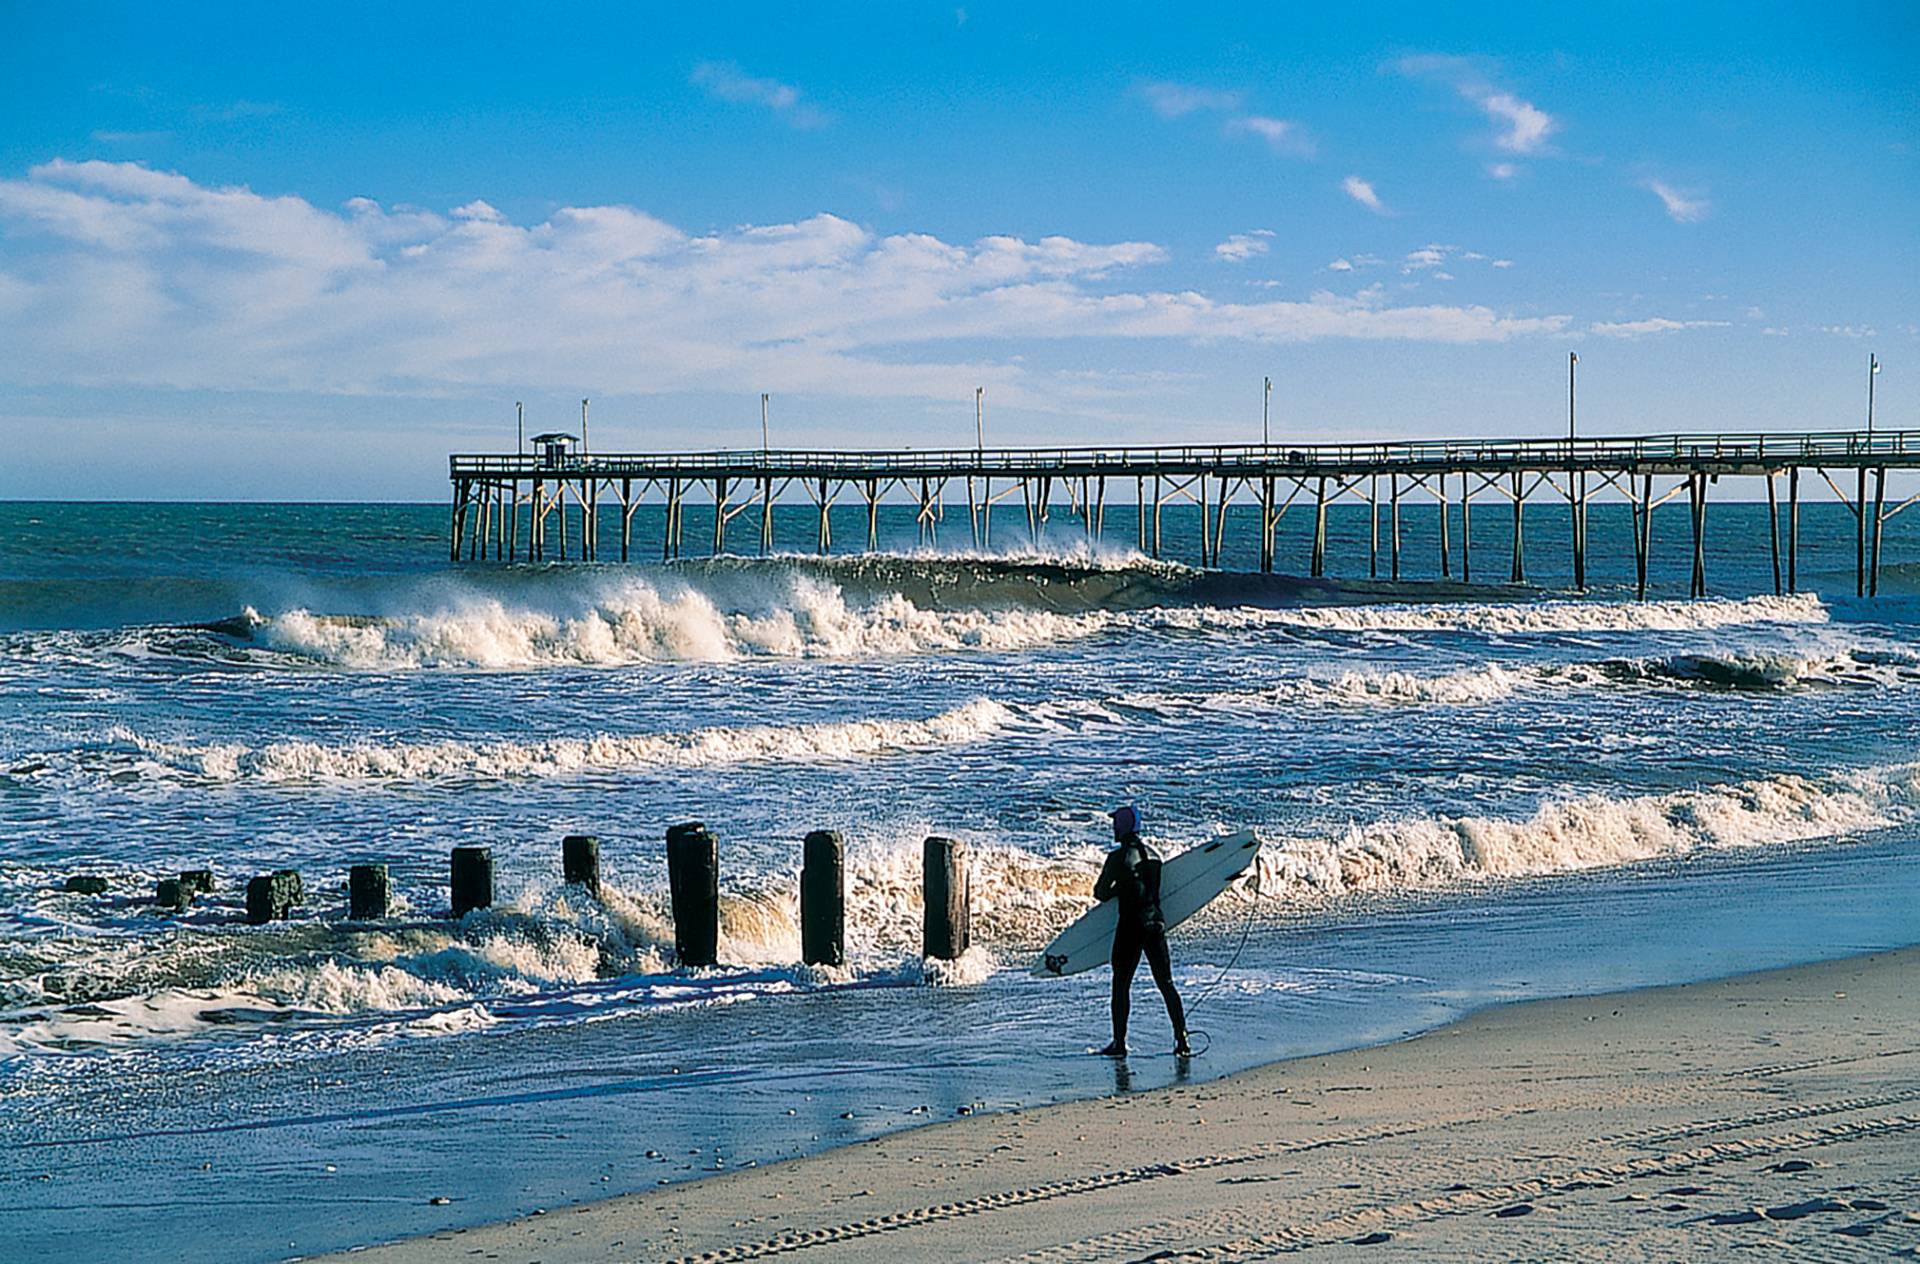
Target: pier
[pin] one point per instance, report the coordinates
(517, 507)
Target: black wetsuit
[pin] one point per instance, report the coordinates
(1132, 876)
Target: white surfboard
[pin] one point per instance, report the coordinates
(1188, 884)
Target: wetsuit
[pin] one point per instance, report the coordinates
(1131, 875)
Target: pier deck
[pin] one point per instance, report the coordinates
(489, 491)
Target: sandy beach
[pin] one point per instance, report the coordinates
(1774, 1111)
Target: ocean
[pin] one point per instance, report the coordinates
(1468, 793)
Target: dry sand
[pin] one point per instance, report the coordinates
(1776, 1113)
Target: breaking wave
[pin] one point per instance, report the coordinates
(298, 761)
(1593, 831)
(634, 621)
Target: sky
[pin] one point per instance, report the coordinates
(303, 253)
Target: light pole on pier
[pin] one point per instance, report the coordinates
(1873, 371)
(980, 419)
(1266, 406)
(764, 398)
(584, 449)
(519, 428)
(1573, 358)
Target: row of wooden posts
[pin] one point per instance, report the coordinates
(693, 877)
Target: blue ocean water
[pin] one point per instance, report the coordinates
(1468, 793)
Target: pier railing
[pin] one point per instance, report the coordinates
(1845, 448)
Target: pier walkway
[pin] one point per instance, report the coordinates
(494, 495)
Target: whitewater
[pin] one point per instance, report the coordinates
(1466, 793)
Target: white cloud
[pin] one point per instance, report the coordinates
(1503, 170)
(116, 275)
(1682, 208)
(1340, 265)
(1175, 100)
(1362, 192)
(1651, 325)
(1424, 258)
(1503, 263)
(1283, 136)
(1520, 126)
(1774, 331)
(1240, 247)
(1850, 331)
(728, 82)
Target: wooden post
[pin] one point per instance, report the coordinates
(1580, 531)
(1466, 530)
(369, 893)
(1860, 536)
(272, 897)
(453, 527)
(626, 516)
(1697, 488)
(766, 515)
(1206, 523)
(719, 514)
(823, 899)
(946, 927)
(1158, 499)
(1879, 521)
(1643, 535)
(693, 880)
(1316, 566)
(1773, 530)
(1793, 529)
(1373, 526)
(1519, 528)
(1140, 517)
(580, 861)
(1266, 524)
(471, 879)
(873, 515)
(1393, 493)
(1446, 548)
(560, 489)
(824, 541)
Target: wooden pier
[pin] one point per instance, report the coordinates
(514, 507)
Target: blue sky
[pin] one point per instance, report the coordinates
(253, 252)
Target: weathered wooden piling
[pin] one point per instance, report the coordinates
(369, 893)
(271, 897)
(470, 872)
(580, 861)
(947, 926)
(693, 879)
(197, 881)
(823, 899)
(172, 894)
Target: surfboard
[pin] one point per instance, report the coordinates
(1188, 883)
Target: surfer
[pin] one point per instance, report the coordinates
(1131, 876)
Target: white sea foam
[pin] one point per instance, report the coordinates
(1510, 618)
(1487, 683)
(1566, 836)
(299, 761)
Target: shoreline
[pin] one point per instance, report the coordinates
(1782, 1105)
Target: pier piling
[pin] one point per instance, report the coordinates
(693, 881)
(580, 861)
(369, 893)
(470, 872)
(823, 900)
(272, 897)
(947, 927)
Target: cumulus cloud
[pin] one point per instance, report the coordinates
(1682, 208)
(1241, 247)
(1175, 100)
(113, 274)
(728, 82)
(1362, 192)
(1520, 127)
(1651, 325)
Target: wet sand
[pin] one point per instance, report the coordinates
(1777, 1112)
